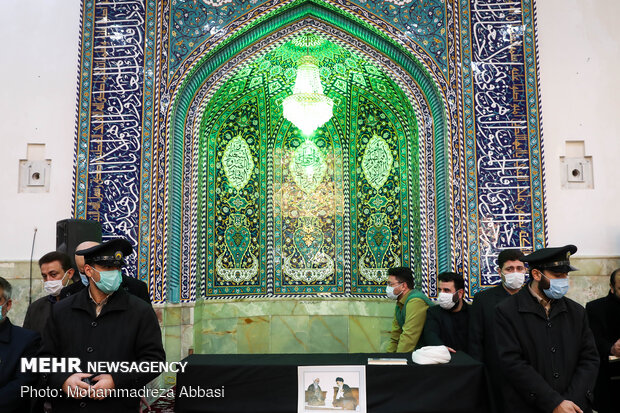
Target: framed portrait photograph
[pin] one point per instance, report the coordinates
(331, 388)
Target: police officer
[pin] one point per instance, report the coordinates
(102, 323)
(545, 345)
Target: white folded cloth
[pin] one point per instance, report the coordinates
(431, 355)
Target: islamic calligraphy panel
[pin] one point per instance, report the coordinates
(237, 162)
(110, 120)
(504, 180)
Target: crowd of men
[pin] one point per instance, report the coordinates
(543, 352)
(103, 316)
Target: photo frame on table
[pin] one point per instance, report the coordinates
(319, 391)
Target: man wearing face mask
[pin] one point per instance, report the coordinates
(410, 311)
(56, 272)
(102, 323)
(546, 348)
(131, 285)
(482, 345)
(447, 324)
(15, 343)
(604, 317)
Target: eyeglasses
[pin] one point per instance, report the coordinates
(394, 285)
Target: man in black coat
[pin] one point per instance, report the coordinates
(15, 343)
(604, 317)
(447, 323)
(482, 345)
(102, 323)
(546, 348)
(56, 272)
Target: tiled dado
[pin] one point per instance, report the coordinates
(292, 326)
(592, 279)
(177, 329)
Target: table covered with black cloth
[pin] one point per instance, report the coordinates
(268, 383)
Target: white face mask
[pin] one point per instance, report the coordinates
(53, 287)
(514, 280)
(446, 300)
(389, 291)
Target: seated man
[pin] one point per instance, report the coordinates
(315, 396)
(410, 311)
(15, 343)
(56, 272)
(447, 324)
(102, 323)
(343, 396)
(604, 317)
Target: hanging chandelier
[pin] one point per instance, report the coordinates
(308, 108)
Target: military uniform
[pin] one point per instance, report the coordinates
(547, 352)
(124, 328)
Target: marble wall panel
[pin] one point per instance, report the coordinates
(254, 334)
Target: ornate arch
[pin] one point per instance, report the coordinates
(211, 64)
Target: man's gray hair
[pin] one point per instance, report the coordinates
(6, 288)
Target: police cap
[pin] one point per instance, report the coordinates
(109, 254)
(555, 259)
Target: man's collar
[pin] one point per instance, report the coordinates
(102, 302)
(612, 298)
(528, 301)
(541, 300)
(403, 297)
(116, 302)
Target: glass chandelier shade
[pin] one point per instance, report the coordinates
(308, 108)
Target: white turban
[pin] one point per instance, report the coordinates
(431, 355)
